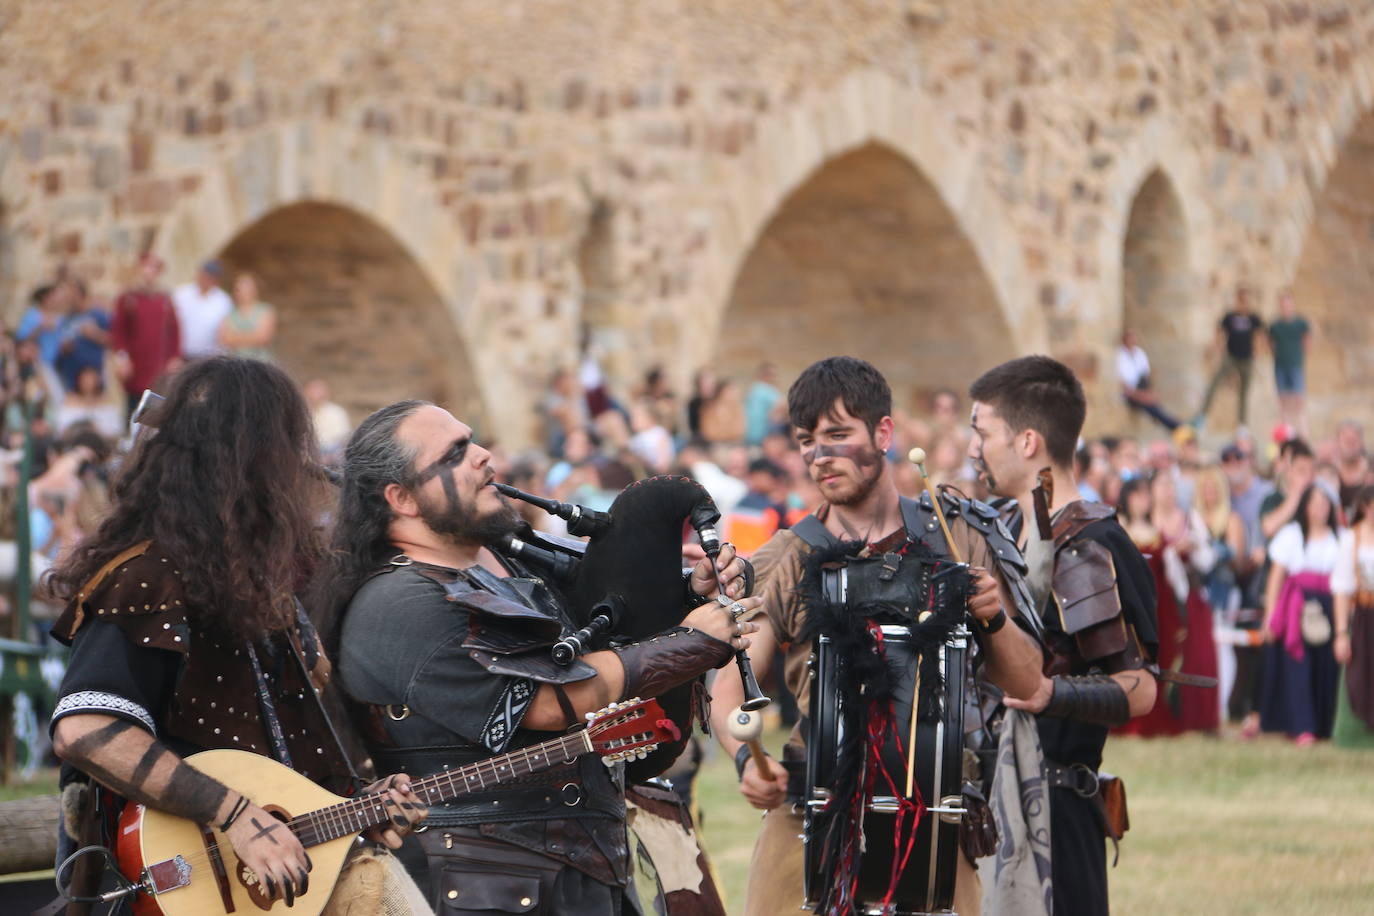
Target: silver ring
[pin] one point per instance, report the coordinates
(736, 609)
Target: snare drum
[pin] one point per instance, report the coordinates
(926, 886)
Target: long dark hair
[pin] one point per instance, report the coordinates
(373, 459)
(1363, 497)
(228, 488)
(1129, 489)
(1332, 519)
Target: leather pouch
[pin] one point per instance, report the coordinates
(473, 876)
(1112, 791)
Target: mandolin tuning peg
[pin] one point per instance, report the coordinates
(592, 715)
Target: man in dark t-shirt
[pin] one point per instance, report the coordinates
(1288, 337)
(1237, 330)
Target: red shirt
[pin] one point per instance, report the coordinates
(145, 326)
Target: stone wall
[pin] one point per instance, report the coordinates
(632, 165)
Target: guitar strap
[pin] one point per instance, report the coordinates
(357, 781)
(269, 709)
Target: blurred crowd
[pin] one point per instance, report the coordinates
(1245, 539)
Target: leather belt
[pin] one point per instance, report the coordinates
(1079, 777)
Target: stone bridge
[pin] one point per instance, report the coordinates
(440, 196)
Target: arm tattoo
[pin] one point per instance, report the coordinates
(265, 830)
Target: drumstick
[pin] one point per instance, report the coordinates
(747, 726)
(917, 456)
(911, 738)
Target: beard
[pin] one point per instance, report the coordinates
(981, 467)
(461, 523)
(868, 466)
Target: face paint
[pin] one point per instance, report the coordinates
(862, 454)
(980, 465)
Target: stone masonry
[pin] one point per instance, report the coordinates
(439, 194)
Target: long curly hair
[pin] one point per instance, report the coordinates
(373, 459)
(229, 488)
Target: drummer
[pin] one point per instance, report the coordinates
(840, 410)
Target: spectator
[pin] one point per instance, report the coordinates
(42, 322)
(332, 426)
(660, 394)
(89, 402)
(1133, 372)
(762, 511)
(1295, 471)
(1237, 331)
(1248, 493)
(1352, 590)
(1225, 534)
(201, 308)
(1298, 694)
(562, 409)
(1090, 479)
(85, 336)
(144, 332)
(251, 325)
(1351, 461)
(1185, 537)
(651, 441)
(1288, 339)
(722, 417)
(703, 390)
(761, 405)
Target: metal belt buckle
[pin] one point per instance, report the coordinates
(1085, 771)
(571, 799)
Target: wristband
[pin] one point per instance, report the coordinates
(741, 758)
(239, 807)
(1093, 698)
(993, 624)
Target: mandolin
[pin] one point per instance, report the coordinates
(185, 869)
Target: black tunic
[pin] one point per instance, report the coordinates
(1079, 864)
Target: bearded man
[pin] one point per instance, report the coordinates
(419, 570)
(840, 410)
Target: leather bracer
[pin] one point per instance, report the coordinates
(1093, 698)
(671, 658)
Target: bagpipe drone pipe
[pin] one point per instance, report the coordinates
(629, 574)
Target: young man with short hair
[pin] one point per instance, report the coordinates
(1098, 607)
(840, 410)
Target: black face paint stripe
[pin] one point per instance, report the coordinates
(452, 458)
(451, 493)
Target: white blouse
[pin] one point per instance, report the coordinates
(1318, 555)
(1343, 578)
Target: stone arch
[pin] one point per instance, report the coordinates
(867, 108)
(1156, 291)
(865, 258)
(1334, 282)
(354, 309)
(370, 179)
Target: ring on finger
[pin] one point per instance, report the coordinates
(736, 609)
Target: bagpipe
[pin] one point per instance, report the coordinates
(626, 582)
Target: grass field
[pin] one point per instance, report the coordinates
(1218, 827)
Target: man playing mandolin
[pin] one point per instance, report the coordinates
(185, 634)
(444, 643)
